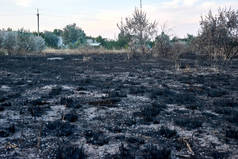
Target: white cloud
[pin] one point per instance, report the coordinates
(171, 4)
(183, 16)
(105, 23)
(189, 2)
(23, 3)
(179, 3)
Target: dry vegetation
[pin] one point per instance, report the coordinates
(82, 51)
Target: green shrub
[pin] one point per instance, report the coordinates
(51, 39)
(10, 41)
(20, 42)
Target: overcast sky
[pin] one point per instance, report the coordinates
(99, 17)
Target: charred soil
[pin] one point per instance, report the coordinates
(66, 107)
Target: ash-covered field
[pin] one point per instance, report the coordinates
(104, 106)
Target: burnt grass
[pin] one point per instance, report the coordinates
(66, 107)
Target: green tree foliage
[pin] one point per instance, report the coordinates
(123, 40)
(73, 36)
(58, 32)
(101, 40)
(51, 39)
(112, 44)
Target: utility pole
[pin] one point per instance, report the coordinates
(140, 4)
(38, 22)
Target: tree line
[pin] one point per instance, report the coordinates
(217, 37)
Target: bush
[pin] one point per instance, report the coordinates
(38, 44)
(218, 37)
(27, 42)
(123, 40)
(1, 39)
(171, 49)
(75, 45)
(10, 41)
(21, 42)
(162, 45)
(112, 44)
(51, 39)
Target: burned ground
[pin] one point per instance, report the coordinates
(63, 106)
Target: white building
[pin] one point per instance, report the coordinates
(93, 43)
(60, 42)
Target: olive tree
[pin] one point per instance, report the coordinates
(15, 42)
(37, 44)
(10, 41)
(24, 40)
(139, 30)
(28, 42)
